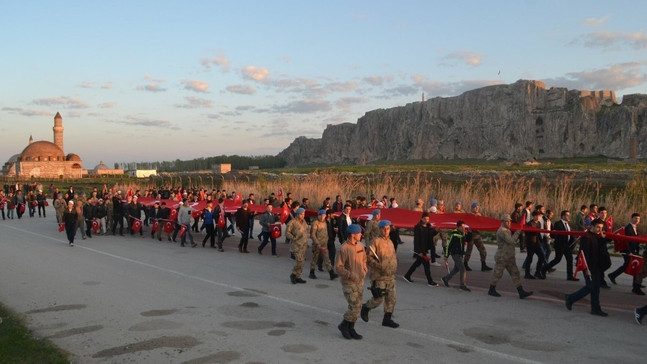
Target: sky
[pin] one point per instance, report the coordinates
(163, 80)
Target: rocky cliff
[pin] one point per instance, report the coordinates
(523, 120)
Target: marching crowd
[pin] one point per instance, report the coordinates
(111, 211)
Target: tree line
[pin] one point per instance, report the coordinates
(238, 162)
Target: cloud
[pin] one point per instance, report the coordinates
(23, 112)
(402, 90)
(374, 80)
(615, 77)
(346, 102)
(468, 57)
(213, 116)
(195, 103)
(241, 89)
(304, 106)
(152, 87)
(283, 129)
(245, 107)
(637, 40)
(74, 114)
(341, 86)
(136, 120)
(220, 61)
(258, 74)
(596, 22)
(86, 84)
(195, 85)
(107, 105)
(148, 77)
(107, 86)
(62, 101)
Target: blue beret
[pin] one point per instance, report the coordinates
(433, 201)
(474, 204)
(322, 212)
(384, 223)
(300, 210)
(376, 212)
(354, 229)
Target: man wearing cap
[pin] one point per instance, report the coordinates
(382, 260)
(319, 236)
(474, 238)
(351, 266)
(504, 258)
(372, 229)
(297, 232)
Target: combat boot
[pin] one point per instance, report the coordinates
(333, 275)
(353, 333)
(343, 327)
(492, 292)
(312, 274)
(523, 294)
(293, 279)
(467, 266)
(386, 321)
(364, 313)
(484, 267)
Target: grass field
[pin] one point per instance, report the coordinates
(18, 346)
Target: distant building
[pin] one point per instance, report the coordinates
(45, 159)
(103, 170)
(142, 173)
(221, 168)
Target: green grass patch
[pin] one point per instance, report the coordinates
(18, 346)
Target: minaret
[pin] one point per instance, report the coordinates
(31, 139)
(58, 131)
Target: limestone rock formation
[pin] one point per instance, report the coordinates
(523, 120)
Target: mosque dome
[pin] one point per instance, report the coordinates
(101, 167)
(41, 151)
(73, 157)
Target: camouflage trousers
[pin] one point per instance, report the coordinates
(389, 296)
(299, 261)
(510, 266)
(316, 252)
(353, 293)
(478, 241)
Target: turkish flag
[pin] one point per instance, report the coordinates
(182, 231)
(168, 227)
(284, 214)
(581, 264)
(61, 227)
(221, 220)
(635, 265)
(137, 225)
(95, 226)
(275, 230)
(196, 214)
(156, 225)
(238, 197)
(21, 208)
(173, 216)
(33, 204)
(280, 194)
(45, 203)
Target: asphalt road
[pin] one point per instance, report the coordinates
(137, 300)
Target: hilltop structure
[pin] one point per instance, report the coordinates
(45, 159)
(519, 121)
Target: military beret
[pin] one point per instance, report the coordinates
(384, 223)
(354, 229)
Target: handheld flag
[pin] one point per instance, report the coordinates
(173, 216)
(182, 231)
(95, 226)
(168, 227)
(137, 225)
(581, 264)
(61, 227)
(156, 226)
(635, 265)
(275, 230)
(285, 213)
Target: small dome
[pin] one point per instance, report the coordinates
(73, 157)
(14, 158)
(101, 167)
(41, 150)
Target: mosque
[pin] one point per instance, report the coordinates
(43, 159)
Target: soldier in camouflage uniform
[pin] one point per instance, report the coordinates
(372, 230)
(383, 261)
(504, 258)
(297, 232)
(474, 238)
(319, 236)
(351, 266)
(59, 206)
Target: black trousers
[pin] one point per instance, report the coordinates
(416, 264)
(563, 249)
(211, 234)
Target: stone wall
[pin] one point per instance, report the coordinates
(520, 121)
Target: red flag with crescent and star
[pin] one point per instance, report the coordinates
(61, 227)
(156, 226)
(275, 230)
(182, 231)
(635, 265)
(581, 264)
(137, 225)
(168, 227)
(95, 226)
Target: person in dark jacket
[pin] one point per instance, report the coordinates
(593, 246)
(89, 214)
(632, 248)
(423, 235)
(456, 249)
(343, 222)
(69, 219)
(117, 214)
(242, 224)
(209, 225)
